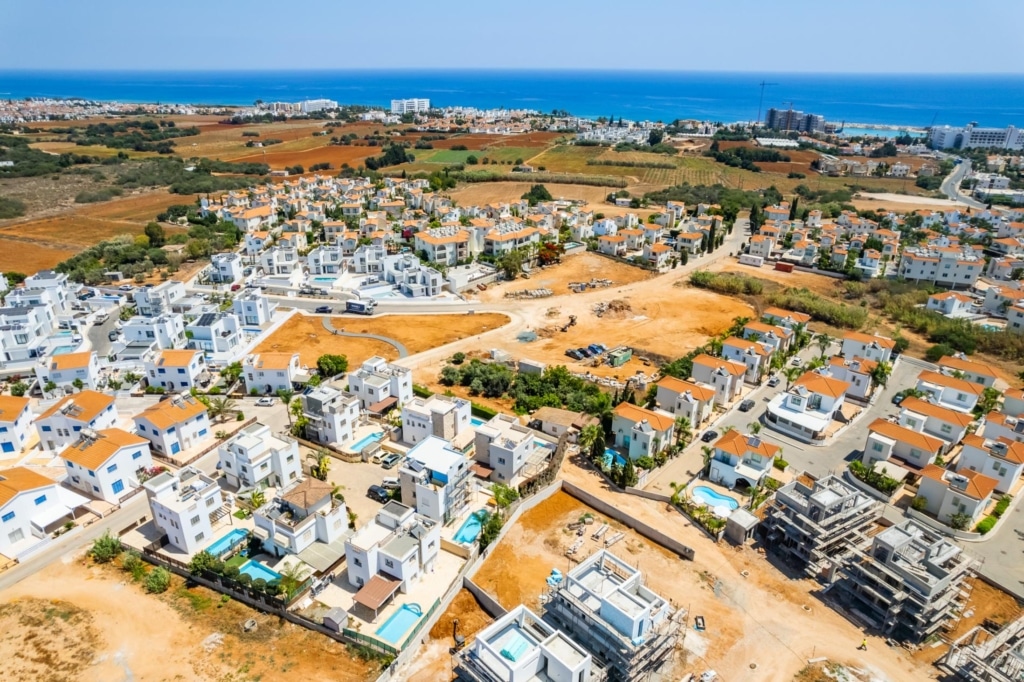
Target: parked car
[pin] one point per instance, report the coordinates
(326, 309)
(389, 460)
(709, 436)
(375, 492)
(595, 348)
(126, 287)
(898, 398)
(266, 401)
(603, 347)
(574, 354)
(112, 335)
(236, 287)
(773, 381)
(390, 483)
(585, 352)
(747, 405)
(796, 362)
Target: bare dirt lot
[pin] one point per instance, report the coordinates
(82, 623)
(480, 193)
(307, 335)
(821, 284)
(579, 268)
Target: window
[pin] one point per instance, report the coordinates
(389, 563)
(46, 429)
(194, 520)
(877, 447)
(92, 473)
(200, 537)
(137, 455)
(112, 468)
(946, 428)
(3, 429)
(118, 486)
(39, 500)
(8, 516)
(142, 428)
(181, 370)
(357, 561)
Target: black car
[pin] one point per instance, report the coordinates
(898, 398)
(709, 436)
(747, 405)
(574, 354)
(323, 309)
(376, 492)
(585, 352)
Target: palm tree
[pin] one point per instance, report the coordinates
(824, 342)
(801, 335)
(257, 498)
(708, 453)
(322, 466)
(292, 576)
(791, 374)
(286, 395)
(218, 408)
(881, 373)
(684, 431)
(591, 440)
(754, 427)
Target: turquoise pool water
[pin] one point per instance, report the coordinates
(612, 456)
(470, 528)
(324, 279)
(61, 350)
(991, 327)
(399, 623)
(227, 542)
(256, 570)
(710, 498)
(477, 421)
(366, 440)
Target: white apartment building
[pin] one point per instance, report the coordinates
(106, 463)
(174, 370)
(253, 309)
(65, 370)
(725, 376)
(1001, 459)
(166, 330)
(969, 136)
(217, 335)
(868, 346)
(504, 446)
(439, 415)
(158, 299)
(434, 478)
(806, 410)
(950, 392)
(409, 106)
(280, 260)
(945, 266)
(689, 399)
(741, 458)
(390, 553)
(413, 278)
(369, 259)
(174, 425)
(379, 384)
(300, 515)
(267, 373)
(186, 505)
(332, 415)
(61, 423)
(886, 440)
(226, 268)
(15, 423)
(325, 260)
(445, 245)
(24, 332)
(255, 457)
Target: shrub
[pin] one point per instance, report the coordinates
(202, 561)
(645, 462)
(780, 464)
(259, 584)
(157, 580)
(132, 563)
(105, 548)
(231, 572)
(875, 479)
(19, 388)
(245, 579)
(240, 417)
(458, 358)
(987, 524)
(919, 503)
(1001, 506)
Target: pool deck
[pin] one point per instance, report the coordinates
(721, 490)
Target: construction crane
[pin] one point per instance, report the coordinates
(760, 102)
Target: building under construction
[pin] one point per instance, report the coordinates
(813, 523)
(984, 656)
(604, 606)
(907, 584)
(788, 119)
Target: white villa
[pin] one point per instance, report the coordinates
(741, 460)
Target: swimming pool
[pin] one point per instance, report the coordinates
(991, 327)
(538, 443)
(612, 456)
(476, 421)
(324, 279)
(61, 350)
(710, 498)
(366, 440)
(399, 623)
(470, 528)
(227, 542)
(256, 570)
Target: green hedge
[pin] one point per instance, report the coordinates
(1001, 506)
(482, 411)
(421, 391)
(987, 524)
(780, 464)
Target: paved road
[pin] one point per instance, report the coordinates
(403, 352)
(97, 334)
(951, 185)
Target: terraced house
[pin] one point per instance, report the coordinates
(106, 463)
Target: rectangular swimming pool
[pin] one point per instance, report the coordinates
(476, 421)
(61, 350)
(366, 440)
(228, 542)
(399, 623)
(612, 456)
(256, 570)
(470, 528)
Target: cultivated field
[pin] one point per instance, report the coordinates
(73, 622)
(306, 335)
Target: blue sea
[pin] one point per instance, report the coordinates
(902, 100)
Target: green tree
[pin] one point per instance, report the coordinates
(988, 401)
(684, 431)
(257, 498)
(754, 427)
(655, 137)
(219, 408)
(959, 521)
(202, 561)
(19, 388)
(824, 342)
(292, 577)
(511, 263)
(78, 383)
(286, 395)
(592, 442)
(791, 374)
(105, 548)
(231, 373)
(628, 478)
(155, 233)
(322, 466)
(881, 373)
(707, 454)
(331, 365)
(157, 580)
(504, 495)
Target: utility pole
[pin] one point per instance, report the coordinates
(760, 102)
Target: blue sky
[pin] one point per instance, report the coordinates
(902, 36)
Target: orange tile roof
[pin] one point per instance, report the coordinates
(85, 405)
(968, 366)
(1014, 449)
(979, 486)
(734, 368)
(71, 361)
(869, 338)
(274, 360)
(745, 344)
(799, 318)
(176, 358)
(636, 414)
(739, 444)
(816, 383)
(679, 386)
(172, 411)
(904, 435)
(91, 454)
(11, 407)
(19, 480)
(951, 382)
(460, 236)
(928, 409)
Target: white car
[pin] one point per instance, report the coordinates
(796, 362)
(266, 401)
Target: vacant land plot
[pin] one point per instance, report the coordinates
(306, 334)
(336, 155)
(26, 257)
(827, 286)
(571, 159)
(140, 208)
(453, 156)
(580, 268)
(81, 623)
(480, 193)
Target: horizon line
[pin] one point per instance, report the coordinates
(508, 69)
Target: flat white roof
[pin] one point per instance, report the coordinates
(435, 454)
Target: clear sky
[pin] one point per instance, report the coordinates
(832, 36)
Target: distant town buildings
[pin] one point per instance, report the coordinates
(409, 106)
(789, 119)
(971, 135)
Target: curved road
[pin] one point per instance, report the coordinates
(402, 351)
(951, 185)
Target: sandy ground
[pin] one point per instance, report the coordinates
(758, 619)
(821, 284)
(306, 334)
(582, 267)
(435, 663)
(901, 202)
(84, 623)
